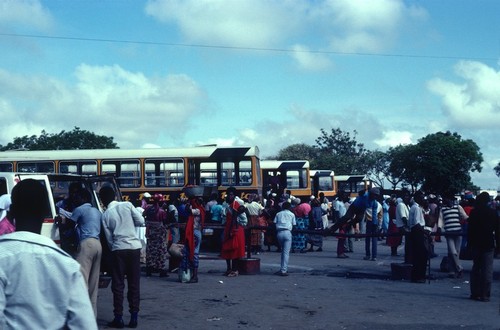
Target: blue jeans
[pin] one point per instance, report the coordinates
(371, 228)
(285, 240)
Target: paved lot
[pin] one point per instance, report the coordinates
(322, 292)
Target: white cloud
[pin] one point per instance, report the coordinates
(310, 61)
(26, 13)
(475, 101)
(129, 106)
(340, 25)
(257, 23)
(395, 138)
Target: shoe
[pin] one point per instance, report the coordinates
(233, 274)
(366, 258)
(132, 323)
(373, 259)
(419, 281)
(280, 273)
(116, 323)
(310, 249)
(342, 256)
(193, 280)
(319, 250)
(303, 251)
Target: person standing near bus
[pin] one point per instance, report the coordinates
(119, 222)
(156, 233)
(285, 221)
(194, 227)
(233, 244)
(89, 250)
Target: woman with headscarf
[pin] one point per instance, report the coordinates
(156, 232)
(482, 223)
(233, 244)
(194, 226)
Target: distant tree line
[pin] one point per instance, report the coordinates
(438, 163)
(75, 139)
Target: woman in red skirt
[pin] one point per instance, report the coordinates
(233, 244)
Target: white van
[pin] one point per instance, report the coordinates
(57, 189)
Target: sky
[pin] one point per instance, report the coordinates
(266, 73)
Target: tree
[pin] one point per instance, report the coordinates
(297, 151)
(402, 166)
(444, 162)
(497, 169)
(75, 139)
(380, 163)
(342, 153)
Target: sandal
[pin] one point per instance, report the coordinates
(233, 274)
(227, 272)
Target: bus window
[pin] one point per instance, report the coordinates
(40, 167)
(296, 179)
(6, 167)
(325, 183)
(245, 173)
(127, 172)
(208, 174)
(161, 173)
(228, 174)
(76, 167)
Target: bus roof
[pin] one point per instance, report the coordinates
(194, 152)
(283, 164)
(321, 172)
(352, 177)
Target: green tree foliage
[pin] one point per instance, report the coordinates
(380, 162)
(439, 162)
(340, 151)
(75, 139)
(402, 166)
(297, 151)
(445, 161)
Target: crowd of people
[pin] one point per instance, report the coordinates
(470, 227)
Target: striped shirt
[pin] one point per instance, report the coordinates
(451, 218)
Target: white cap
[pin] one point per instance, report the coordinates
(147, 195)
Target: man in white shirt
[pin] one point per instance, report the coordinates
(41, 286)
(402, 213)
(119, 222)
(284, 220)
(418, 252)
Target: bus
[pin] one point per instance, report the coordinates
(323, 181)
(352, 184)
(160, 170)
(282, 175)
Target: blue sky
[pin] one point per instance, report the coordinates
(268, 73)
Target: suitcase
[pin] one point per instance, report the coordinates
(401, 271)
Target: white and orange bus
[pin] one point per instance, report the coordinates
(158, 170)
